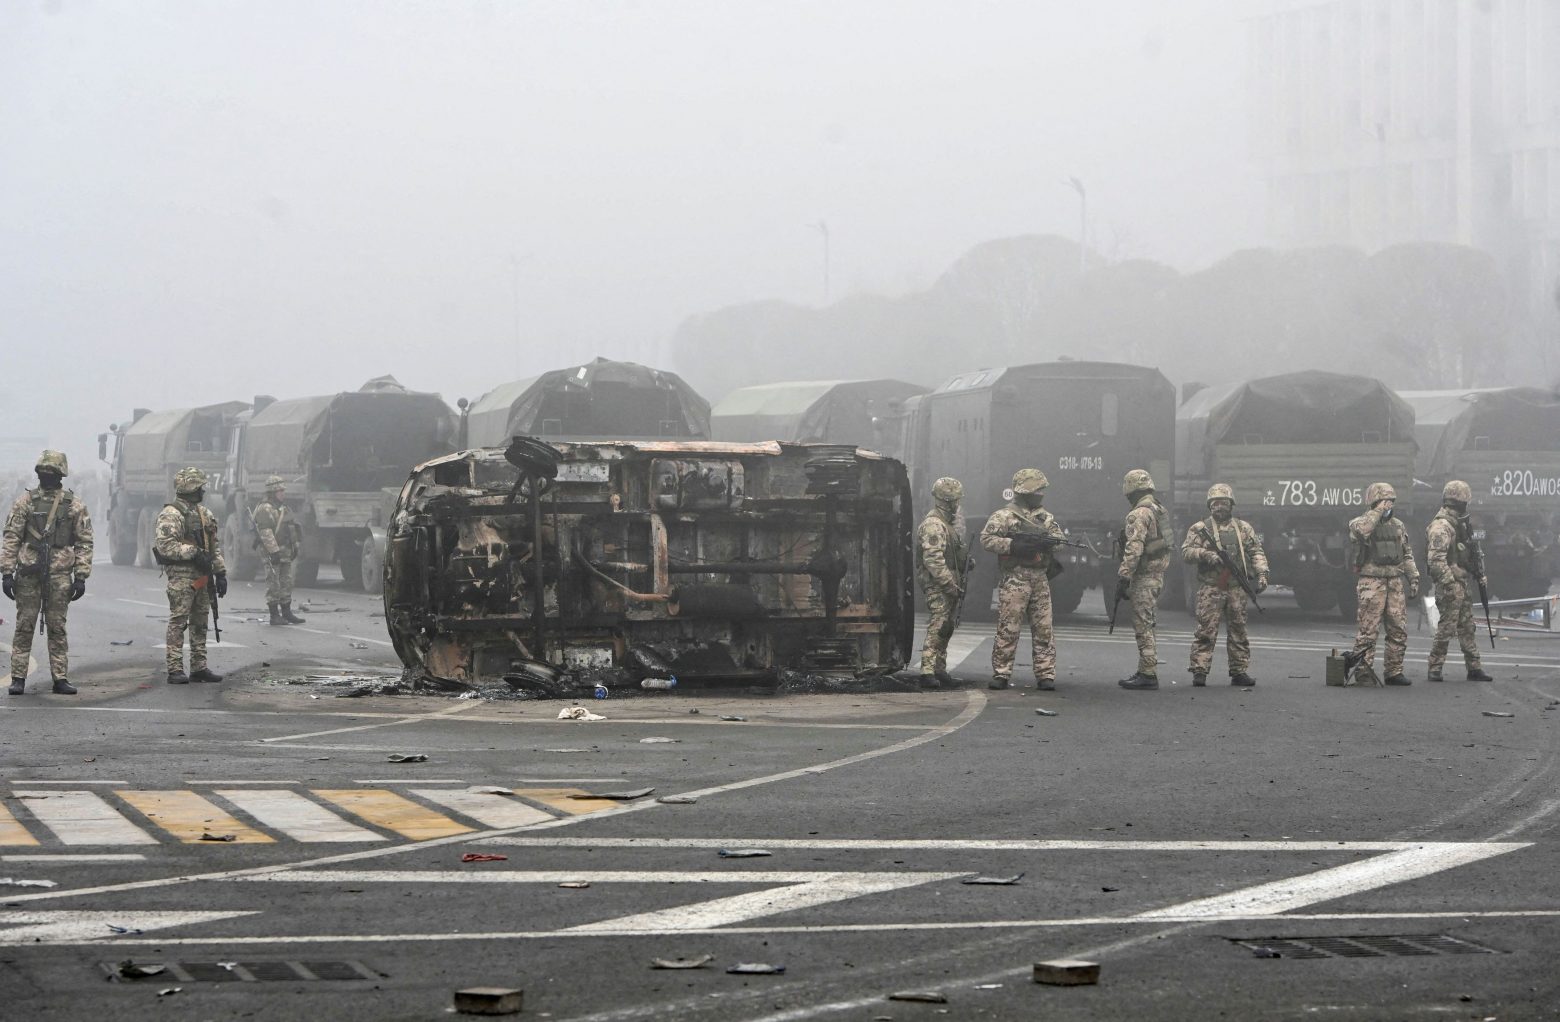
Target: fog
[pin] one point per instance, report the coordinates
(201, 202)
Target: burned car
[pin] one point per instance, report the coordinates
(557, 566)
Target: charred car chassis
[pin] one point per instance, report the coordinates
(707, 562)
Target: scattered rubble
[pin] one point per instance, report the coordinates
(1067, 972)
(489, 1001)
(681, 963)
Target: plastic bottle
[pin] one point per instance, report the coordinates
(601, 691)
(670, 682)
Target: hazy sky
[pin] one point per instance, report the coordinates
(201, 201)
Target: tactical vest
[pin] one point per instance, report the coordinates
(1461, 553)
(1387, 547)
(193, 533)
(61, 531)
(1037, 521)
(1234, 546)
(1156, 545)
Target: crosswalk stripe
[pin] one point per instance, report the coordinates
(82, 818)
(297, 817)
(11, 830)
(559, 799)
(187, 816)
(487, 808)
(394, 812)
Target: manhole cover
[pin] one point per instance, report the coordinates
(1365, 946)
(254, 972)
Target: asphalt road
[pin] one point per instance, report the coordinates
(1153, 830)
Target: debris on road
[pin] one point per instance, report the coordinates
(578, 713)
(483, 857)
(614, 796)
(1265, 952)
(130, 970)
(121, 929)
(1067, 972)
(563, 751)
(659, 741)
(358, 645)
(678, 800)
(681, 963)
(1497, 713)
(1043, 712)
(743, 853)
(755, 969)
(575, 885)
(988, 986)
(121, 642)
(490, 789)
(488, 1001)
(732, 716)
(14, 882)
(994, 881)
(170, 991)
(416, 757)
(919, 996)
(207, 835)
(1110, 890)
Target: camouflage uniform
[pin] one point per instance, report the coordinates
(1218, 594)
(1388, 578)
(1024, 589)
(179, 530)
(55, 516)
(1145, 555)
(1452, 565)
(940, 561)
(280, 538)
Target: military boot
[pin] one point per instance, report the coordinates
(63, 687)
(288, 617)
(1434, 675)
(276, 613)
(1397, 679)
(178, 678)
(1476, 674)
(205, 674)
(1045, 684)
(1199, 679)
(18, 686)
(1242, 680)
(998, 681)
(1140, 680)
(947, 680)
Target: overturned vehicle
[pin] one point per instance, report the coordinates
(555, 567)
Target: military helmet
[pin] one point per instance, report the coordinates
(275, 483)
(1457, 490)
(1220, 491)
(948, 489)
(1378, 492)
(1029, 480)
(54, 460)
(189, 480)
(1136, 480)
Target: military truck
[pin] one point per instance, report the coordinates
(142, 457)
(599, 400)
(861, 412)
(1505, 443)
(1084, 424)
(1299, 450)
(344, 456)
(556, 564)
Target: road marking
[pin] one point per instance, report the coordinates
(997, 845)
(23, 780)
(393, 812)
(487, 808)
(93, 927)
(209, 645)
(559, 799)
(365, 638)
(11, 830)
(297, 817)
(143, 603)
(67, 857)
(408, 780)
(462, 707)
(189, 817)
(82, 818)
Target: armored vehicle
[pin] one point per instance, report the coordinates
(343, 456)
(1505, 443)
(143, 456)
(1084, 424)
(632, 561)
(602, 400)
(861, 412)
(1299, 451)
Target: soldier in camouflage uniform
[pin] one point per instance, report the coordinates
(1145, 554)
(1388, 579)
(941, 560)
(1454, 567)
(1023, 536)
(188, 549)
(1218, 594)
(47, 526)
(280, 537)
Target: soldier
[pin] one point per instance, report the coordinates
(1218, 594)
(1385, 566)
(188, 549)
(941, 561)
(1018, 534)
(1454, 564)
(280, 537)
(45, 559)
(1145, 554)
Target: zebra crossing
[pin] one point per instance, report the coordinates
(35, 817)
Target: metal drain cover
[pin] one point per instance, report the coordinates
(255, 972)
(1365, 946)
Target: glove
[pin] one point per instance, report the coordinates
(1413, 589)
(1262, 583)
(8, 584)
(222, 586)
(1210, 558)
(78, 589)
(1026, 545)
(202, 561)
(1123, 588)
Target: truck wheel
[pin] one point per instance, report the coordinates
(122, 539)
(350, 557)
(373, 564)
(1066, 594)
(306, 571)
(1315, 597)
(242, 559)
(145, 535)
(1348, 601)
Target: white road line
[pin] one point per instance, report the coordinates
(485, 807)
(297, 817)
(21, 780)
(82, 818)
(143, 603)
(209, 645)
(461, 707)
(93, 927)
(982, 845)
(410, 780)
(558, 876)
(1338, 882)
(63, 857)
(365, 638)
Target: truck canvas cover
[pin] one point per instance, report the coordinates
(602, 399)
(813, 411)
(1311, 407)
(160, 439)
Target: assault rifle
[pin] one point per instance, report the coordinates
(44, 552)
(1476, 555)
(211, 576)
(1234, 569)
(964, 590)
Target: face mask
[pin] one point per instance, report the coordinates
(196, 497)
(1458, 506)
(49, 480)
(1030, 500)
(1222, 514)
